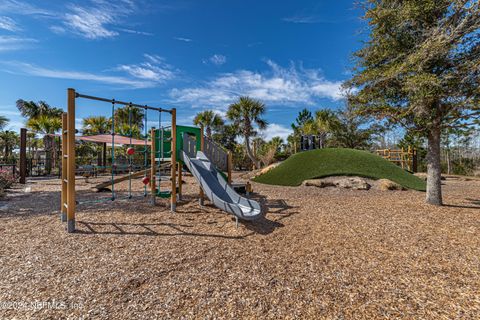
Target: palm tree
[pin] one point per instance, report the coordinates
(98, 125)
(48, 126)
(129, 115)
(9, 140)
(3, 122)
(276, 143)
(244, 114)
(210, 120)
(31, 109)
(325, 121)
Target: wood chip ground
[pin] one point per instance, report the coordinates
(318, 253)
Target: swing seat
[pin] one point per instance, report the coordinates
(164, 194)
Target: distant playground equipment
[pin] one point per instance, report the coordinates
(172, 146)
(309, 142)
(407, 159)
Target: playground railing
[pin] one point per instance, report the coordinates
(407, 159)
(189, 145)
(216, 154)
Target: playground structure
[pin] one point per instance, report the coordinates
(309, 142)
(172, 146)
(407, 159)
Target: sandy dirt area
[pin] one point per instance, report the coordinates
(318, 253)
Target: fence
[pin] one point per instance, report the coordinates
(407, 159)
(9, 167)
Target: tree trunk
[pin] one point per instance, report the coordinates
(208, 132)
(99, 155)
(434, 170)
(54, 153)
(448, 162)
(48, 153)
(250, 153)
(104, 154)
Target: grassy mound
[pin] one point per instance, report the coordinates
(338, 162)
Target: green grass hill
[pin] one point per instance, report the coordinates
(338, 162)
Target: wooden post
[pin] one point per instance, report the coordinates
(63, 211)
(23, 155)
(202, 145)
(414, 161)
(180, 180)
(71, 204)
(229, 167)
(173, 149)
(153, 167)
(402, 158)
(409, 157)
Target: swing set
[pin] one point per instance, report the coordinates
(159, 139)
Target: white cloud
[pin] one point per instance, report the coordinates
(276, 130)
(10, 43)
(57, 29)
(216, 59)
(142, 33)
(305, 19)
(147, 71)
(293, 85)
(9, 111)
(154, 69)
(15, 119)
(23, 8)
(30, 69)
(8, 24)
(147, 74)
(183, 39)
(154, 58)
(94, 21)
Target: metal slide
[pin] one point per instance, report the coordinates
(218, 191)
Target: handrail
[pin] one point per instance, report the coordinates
(215, 153)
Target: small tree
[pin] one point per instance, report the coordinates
(325, 121)
(245, 113)
(8, 140)
(420, 68)
(48, 126)
(226, 136)
(128, 115)
(303, 117)
(210, 121)
(98, 125)
(351, 130)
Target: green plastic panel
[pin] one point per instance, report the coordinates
(167, 145)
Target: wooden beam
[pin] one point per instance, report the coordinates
(71, 204)
(63, 213)
(105, 184)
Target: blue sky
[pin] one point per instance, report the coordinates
(191, 55)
